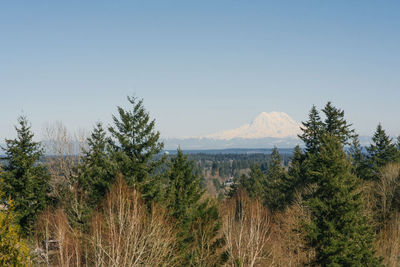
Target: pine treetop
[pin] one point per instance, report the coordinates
(96, 172)
(135, 133)
(275, 168)
(22, 152)
(311, 130)
(336, 125)
(382, 150)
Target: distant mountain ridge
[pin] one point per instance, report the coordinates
(265, 131)
(266, 125)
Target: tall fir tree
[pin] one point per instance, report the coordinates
(197, 218)
(380, 152)
(336, 125)
(276, 183)
(25, 179)
(296, 175)
(183, 190)
(254, 183)
(358, 159)
(96, 172)
(134, 144)
(312, 130)
(338, 231)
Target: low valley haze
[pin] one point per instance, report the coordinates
(202, 67)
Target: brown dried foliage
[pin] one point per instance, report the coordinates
(59, 243)
(288, 246)
(123, 233)
(246, 227)
(387, 214)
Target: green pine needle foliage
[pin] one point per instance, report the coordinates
(25, 179)
(197, 218)
(134, 142)
(381, 152)
(338, 231)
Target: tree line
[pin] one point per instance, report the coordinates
(122, 204)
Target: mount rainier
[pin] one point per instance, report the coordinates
(265, 131)
(274, 124)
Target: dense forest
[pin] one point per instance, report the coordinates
(118, 200)
(219, 171)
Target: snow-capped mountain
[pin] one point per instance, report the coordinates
(265, 131)
(273, 124)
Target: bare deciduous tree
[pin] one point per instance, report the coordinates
(63, 148)
(246, 227)
(123, 233)
(387, 212)
(388, 242)
(387, 191)
(64, 152)
(126, 234)
(60, 244)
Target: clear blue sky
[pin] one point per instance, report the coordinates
(201, 66)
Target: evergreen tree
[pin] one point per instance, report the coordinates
(275, 187)
(96, 172)
(25, 179)
(312, 130)
(134, 145)
(254, 184)
(198, 219)
(336, 125)
(338, 231)
(358, 159)
(296, 174)
(398, 143)
(380, 152)
(184, 189)
(296, 167)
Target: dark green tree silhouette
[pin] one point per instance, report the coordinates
(254, 184)
(336, 125)
(312, 130)
(197, 218)
(295, 179)
(276, 186)
(24, 179)
(338, 231)
(97, 172)
(358, 159)
(380, 152)
(134, 144)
